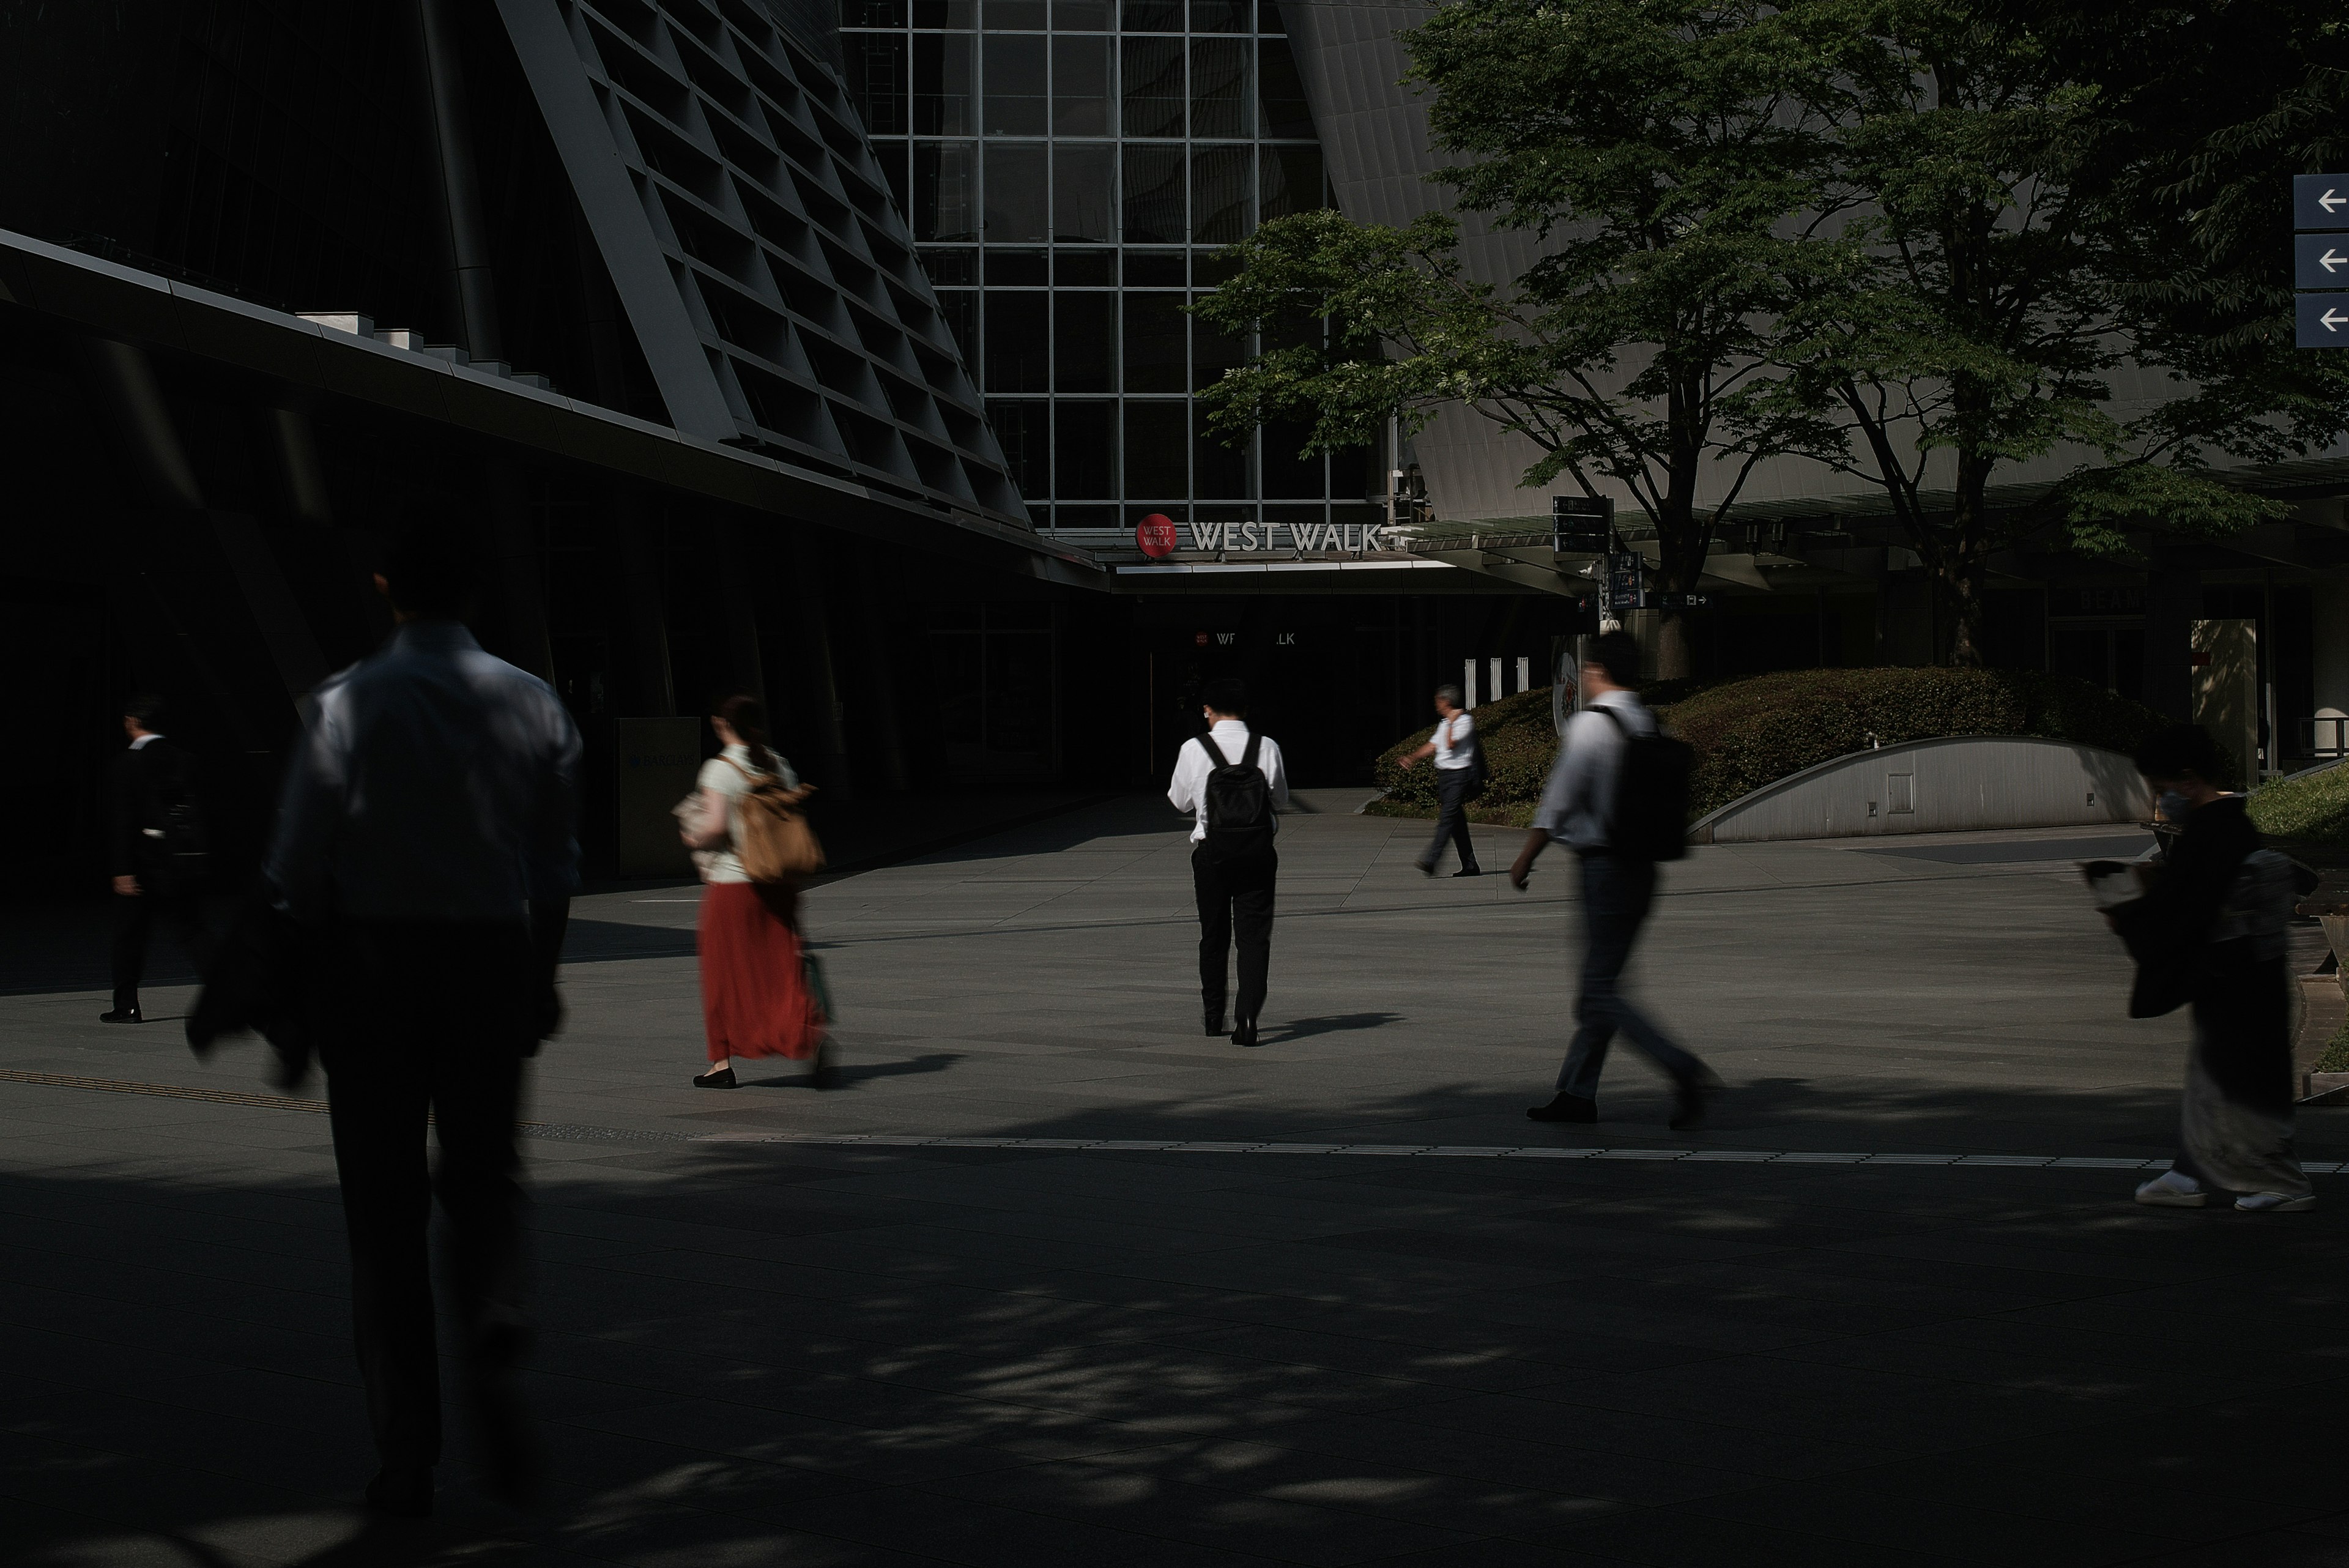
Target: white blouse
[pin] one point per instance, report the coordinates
(719, 775)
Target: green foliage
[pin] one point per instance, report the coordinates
(2101, 506)
(1754, 732)
(2335, 1058)
(2313, 809)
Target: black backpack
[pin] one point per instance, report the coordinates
(1651, 795)
(1240, 803)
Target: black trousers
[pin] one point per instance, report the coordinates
(1451, 817)
(1234, 896)
(134, 923)
(431, 1017)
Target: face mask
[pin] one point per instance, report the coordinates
(2172, 807)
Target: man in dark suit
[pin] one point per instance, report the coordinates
(425, 844)
(154, 872)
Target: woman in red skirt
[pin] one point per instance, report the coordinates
(755, 998)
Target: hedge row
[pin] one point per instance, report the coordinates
(1754, 732)
(2312, 810)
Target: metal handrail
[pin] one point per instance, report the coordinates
(2318, 731)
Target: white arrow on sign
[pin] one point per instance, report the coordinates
(2333, 320)
(2330, 200)
(2332, 260)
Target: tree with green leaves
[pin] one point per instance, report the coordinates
(1662, 152)
(2053, 203)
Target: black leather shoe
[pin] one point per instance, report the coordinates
(1470, 871)
(121, 1015)
(825, 1073)
(1216, 1022)
(1426, 867)
(1565, 1109)
(401, 1492)
(1245, 1034)
(1695, 1093)
(721, 1079)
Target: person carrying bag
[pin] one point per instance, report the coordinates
(753, 844)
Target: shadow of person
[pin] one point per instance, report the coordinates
(1329, 1023)
(851, 1077)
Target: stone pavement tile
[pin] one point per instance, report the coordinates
(1511, 1460)
(74, 1493)
(973, 1529)
(1733, 1438)
(1665, 1320)
(1974, 1528)
(645, 1532)
(2168, 1513)
(2217, 1352)
(1682, 1538)
(1491, 1367)
(1148, 1502)
(1276, 1472)
(2265, 1548)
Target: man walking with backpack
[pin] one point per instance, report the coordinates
(1618, 796)
(1232, 782)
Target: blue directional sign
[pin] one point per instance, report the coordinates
(2320, 261)
(2320, 320)
(2320, 200)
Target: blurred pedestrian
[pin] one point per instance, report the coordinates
(2210, 933)
(157, 843)
(1584, 805)
(1459, 775)
(1232, 782)
(756, 999)
(427, 840)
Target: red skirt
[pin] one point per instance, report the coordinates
(755, 1000)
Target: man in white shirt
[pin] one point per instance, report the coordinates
(1578, 809)
(1232, 863)
(1456, 751)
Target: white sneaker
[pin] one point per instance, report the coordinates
(2172, 1191)
(2273, 1202)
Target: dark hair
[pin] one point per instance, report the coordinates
(143, 706)
(747, 717)
(1617, 653)
(432, 569)
(1225, 695)
(2179, 750)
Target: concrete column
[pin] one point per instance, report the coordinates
(648, 687)
(470, 280)
(885, 748)
(738, 603)
(2331, 605)
(2173, 600)
(817, 678)
(520, 617)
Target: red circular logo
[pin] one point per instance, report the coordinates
(1156, 535)
(1200, 639)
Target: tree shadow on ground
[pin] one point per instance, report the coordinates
(827, 1355)
(853, 1075)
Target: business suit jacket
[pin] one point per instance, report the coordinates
(146, 781)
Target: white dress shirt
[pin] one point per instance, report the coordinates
(432, 782)
(1577, 805)
(719, 775)
(140, 743)
(1192, 766)
(1449, 733)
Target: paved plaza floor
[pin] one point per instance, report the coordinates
(1051, 1278)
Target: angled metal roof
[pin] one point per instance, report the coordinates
(751, 237)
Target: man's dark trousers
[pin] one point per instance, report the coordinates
(134, 921)
(1616, 893)
(1451, 819)
(438, 1017)
(1234, 897)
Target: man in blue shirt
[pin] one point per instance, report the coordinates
(426, 839)
(1578, 809)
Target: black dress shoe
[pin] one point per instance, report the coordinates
(1470, 871)
(1565, 1109)
(721, 1079)
(121, 1015)
(1216, 1022)
(1244, 1033)
(825, 1072)
(1694, 1094)
(1426, 867)
(402, 1492)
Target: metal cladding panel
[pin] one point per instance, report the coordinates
(753, 242)
(1959, 783)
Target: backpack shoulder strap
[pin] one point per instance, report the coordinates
(1247, 753)
(1217, 756)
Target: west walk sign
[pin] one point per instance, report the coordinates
(1342, 538)
(2320, 260)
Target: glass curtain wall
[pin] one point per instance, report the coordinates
(1069, 168)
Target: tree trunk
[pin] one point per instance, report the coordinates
(1961, 567)
(1675, 653)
